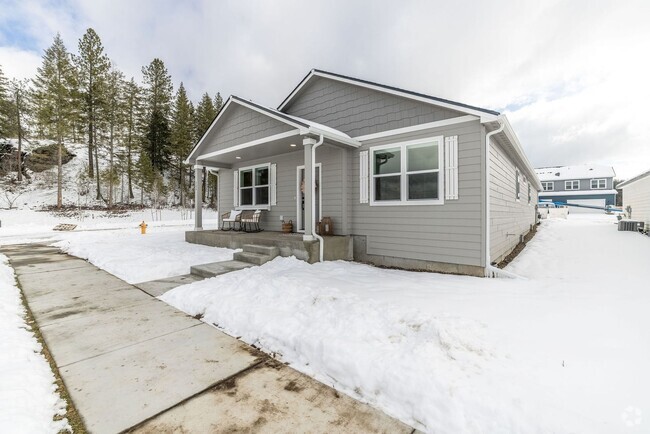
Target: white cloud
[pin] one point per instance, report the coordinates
(572, 75)
(17, 63)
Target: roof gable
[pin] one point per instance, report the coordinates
(416, 96)
(358, 111)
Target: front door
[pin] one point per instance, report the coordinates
(300, 196)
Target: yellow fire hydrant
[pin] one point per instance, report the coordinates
(143, 228)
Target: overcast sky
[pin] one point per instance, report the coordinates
(572, 76)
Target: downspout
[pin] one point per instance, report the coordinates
(489, 269)
(313, 198)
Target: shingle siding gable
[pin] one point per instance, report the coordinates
(358, 111)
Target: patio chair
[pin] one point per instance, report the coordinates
(230, 219)
(250, 221)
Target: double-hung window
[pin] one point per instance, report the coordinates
(254, 186)
(598, 184)
(547, 186)
(572, 185)
(407, 173)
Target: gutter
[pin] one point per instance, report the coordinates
(313, 198)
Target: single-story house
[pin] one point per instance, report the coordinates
(588, 185)
(636, 194)
(411, 180)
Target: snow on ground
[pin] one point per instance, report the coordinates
(28, 398)
(133, 257)
(564, 351)
(25, 225)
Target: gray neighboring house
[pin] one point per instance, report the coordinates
(412, 181)
(587, 184)
(636, 194)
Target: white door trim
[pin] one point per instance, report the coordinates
(320, 195)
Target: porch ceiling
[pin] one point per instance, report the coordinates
(265, 149)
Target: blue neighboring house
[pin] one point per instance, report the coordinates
(590, 185)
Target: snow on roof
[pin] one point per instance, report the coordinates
(585, 171)
(576, 193)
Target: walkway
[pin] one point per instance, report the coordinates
(132, 362)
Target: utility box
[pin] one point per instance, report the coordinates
(630, 225)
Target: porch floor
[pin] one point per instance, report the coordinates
(335, 247)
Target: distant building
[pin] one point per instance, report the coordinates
(636, 195)
(580, 185)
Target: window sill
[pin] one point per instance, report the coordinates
(253, 208)
(407, 203)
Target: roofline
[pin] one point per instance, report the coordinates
(302, 127)
(466, 108)
(514, 141)
(639, 177)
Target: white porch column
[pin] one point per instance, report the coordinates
(308, 144)
(198, 197)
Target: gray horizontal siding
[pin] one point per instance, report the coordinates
(509, 217)
(241, 125)
(358, 111)
(449, 233)
(332, 182)
(585, 184)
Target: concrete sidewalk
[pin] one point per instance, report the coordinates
(132, 362)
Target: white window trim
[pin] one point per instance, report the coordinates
(597, 187)
(570, 182)
(517, 186)
(249, 207)
(544, 183)
(403, 174)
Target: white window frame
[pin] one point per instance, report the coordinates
(517, 185)
(598, 181)
(403, 174)
(545, 185)
(571, 182)
(239, 189)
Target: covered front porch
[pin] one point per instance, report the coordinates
(334, 247)
(279, 165)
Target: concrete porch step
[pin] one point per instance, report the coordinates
(217, 268)
(271, 251)
(252, 258)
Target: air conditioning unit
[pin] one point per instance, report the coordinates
(630, 225)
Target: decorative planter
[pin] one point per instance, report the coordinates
(287, 228)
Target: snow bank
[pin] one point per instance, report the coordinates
(431, 371)
(28, 398)
(565, 351)
(162, 252)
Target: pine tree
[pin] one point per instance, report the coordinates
(205, 114)
(218, 102)
(182, 136)
(4, 105)
(133, 118)
(112, 111)
(158, 93)
(93, 66)
(17, 112)
(54, 92)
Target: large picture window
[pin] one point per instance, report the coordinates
(407, 173)
(254, 186)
